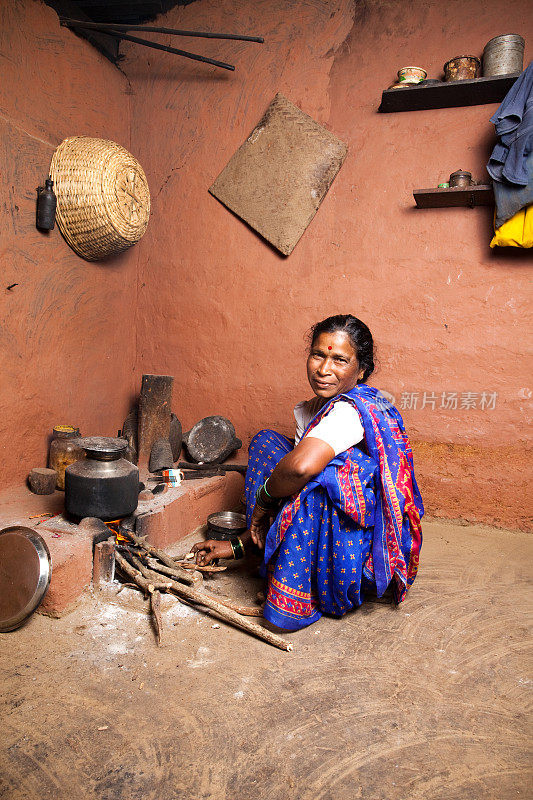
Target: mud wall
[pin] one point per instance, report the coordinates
(226, 314)
(67, 335)
(206, 299)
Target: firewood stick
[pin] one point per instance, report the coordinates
(126, 586)
(155, 605)
(197, 597)
(147, 586)
(230, 616)
(185, 565)
(169, 562)
(173, 572)
(149, 574)
(246, 611)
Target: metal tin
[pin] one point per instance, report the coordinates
(460, 178)
(225, 524)
(462, 68)
(503, 55)
(104, 485)
(25, 574)
(411, 74)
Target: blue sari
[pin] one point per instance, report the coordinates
(354, 527)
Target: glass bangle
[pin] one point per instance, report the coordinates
(237, 547)
(267, 492)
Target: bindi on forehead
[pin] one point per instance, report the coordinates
(330, 347)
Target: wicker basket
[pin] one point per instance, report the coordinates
(103, 200)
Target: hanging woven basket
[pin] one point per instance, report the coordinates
(103, 200)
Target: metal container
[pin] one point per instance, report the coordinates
(503, 55)
(104, 485)
(226, 524)
(462, 68)
(460, 178)
(411, 74)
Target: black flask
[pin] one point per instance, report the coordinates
(46, 206)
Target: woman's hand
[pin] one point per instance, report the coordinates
(259, 525)
(208, 551)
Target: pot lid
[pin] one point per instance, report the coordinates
(103, 446)
(211, 440)
(25, 572)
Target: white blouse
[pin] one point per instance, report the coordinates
(341, 429)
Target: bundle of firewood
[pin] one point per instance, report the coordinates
(153, 571)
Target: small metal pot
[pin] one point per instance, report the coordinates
(411, 74)
(462, 68)
(226, 524)
(460, 178)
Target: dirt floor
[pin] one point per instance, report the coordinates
(428, 700)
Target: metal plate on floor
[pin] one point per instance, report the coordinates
(25, 572)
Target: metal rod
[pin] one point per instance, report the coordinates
(172, 31)
(154, 45)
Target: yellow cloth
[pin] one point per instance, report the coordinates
(517, 231)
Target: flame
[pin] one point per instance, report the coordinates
(113, 526)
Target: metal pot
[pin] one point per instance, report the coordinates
(462, 68)
(460, 178)
(104, 485)
(226, 524)
(503, 55)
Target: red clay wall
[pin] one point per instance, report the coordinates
(226, 314)
(219, 308)
(67, 336)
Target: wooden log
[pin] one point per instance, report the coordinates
(194, 596)
(147, 586)
(246, 611)
(229, 615)
(182, 574)
(42, 480)
(155, 605)
(154, 413)
(188, 565)
(103, 563)
(197, 577)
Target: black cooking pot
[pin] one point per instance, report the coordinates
(104, 485)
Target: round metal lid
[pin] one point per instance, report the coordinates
(103, 446)
(25, 572)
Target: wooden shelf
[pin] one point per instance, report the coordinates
(455, 196)
(445, 95)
